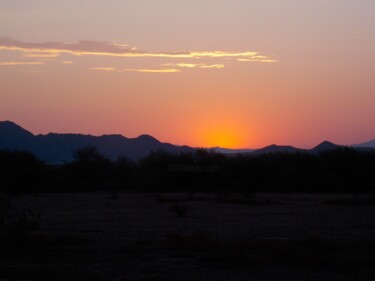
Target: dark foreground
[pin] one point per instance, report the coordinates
(124, 236)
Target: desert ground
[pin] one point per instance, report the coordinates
(118, 236)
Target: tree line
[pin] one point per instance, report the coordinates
(340, 170)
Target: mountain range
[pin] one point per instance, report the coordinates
(324, 146)
(369, 144)
(58, 148)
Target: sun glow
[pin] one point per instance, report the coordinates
(224, 128)
(224, 137)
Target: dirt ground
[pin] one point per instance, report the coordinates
(130, 236)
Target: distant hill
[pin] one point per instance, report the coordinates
(324, 146)
(57, 148)
(277, 149)
(13, 136)
(370, 144)
(54, 148)
(232, 151)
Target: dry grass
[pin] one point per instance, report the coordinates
(135, 237)
(248, 200)
(352, 201)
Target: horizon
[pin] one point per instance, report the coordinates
(237, 76)
(181, 145)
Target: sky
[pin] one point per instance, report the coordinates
(229, 73)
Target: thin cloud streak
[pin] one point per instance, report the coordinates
(95, 48)
(145, 70)
(257, 60)
(40, 55)
(187, 65)
(212, 66)
(103, 68)
(192, 65)
(15, 63)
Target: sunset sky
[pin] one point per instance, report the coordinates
(231, 73)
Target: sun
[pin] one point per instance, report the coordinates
(221, 137)
(219, 130)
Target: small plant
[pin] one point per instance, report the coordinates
(227, 257)
(353, 201)
(173, 199)
(27, 220)
(24, 220)
(180, 210)
(197, 242)
(5, 207)
(136, 248)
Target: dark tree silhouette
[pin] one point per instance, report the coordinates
(340, 170)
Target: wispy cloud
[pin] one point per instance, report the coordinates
(212, 66)
(67, 62)
(187, 65)
(96, 48)
(162, 70)
(258, 60)
(103, 68)
(40, 55)
(194, 65)
(15, 63)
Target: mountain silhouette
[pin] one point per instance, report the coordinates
(232, 151)
(277, 149)
(12, 136)
(324, 146)
(369, 144)
(56, 148)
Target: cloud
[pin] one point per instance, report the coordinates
(40, 55)
(212, 66)
(14, 63)
(188, 65)
(163, 70)
(67, 62)
(258, 60)
(196, 65)
(103, 68)
(97, 48)
(181, 65)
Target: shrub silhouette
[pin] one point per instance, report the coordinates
(339, 170)
(180, 210)
(91, 170)
(20, 171)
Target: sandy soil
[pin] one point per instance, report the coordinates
(126, 236)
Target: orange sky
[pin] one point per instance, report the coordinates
(200, 73)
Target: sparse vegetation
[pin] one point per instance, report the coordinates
(180, 198)
(132, 238)
(197, 242)
(341, 170)
(180, 210)
(5, 208)
(247, 200)
(26, 220)
(177, 183)
(17, 220)
(352, 201)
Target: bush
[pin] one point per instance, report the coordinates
(180, 210)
